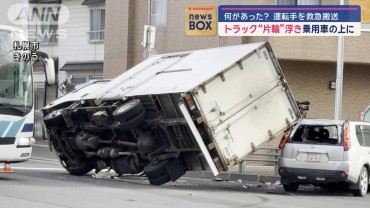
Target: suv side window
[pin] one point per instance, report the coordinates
(359, 135)
(366, 136)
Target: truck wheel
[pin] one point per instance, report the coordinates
(160, 180)
(81, 169)
(128, 110)
(133, 122)
(362, 183)
(78, 167)
(156, 170)
(54, 118)
(292, 187)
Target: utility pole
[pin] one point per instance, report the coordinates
(339, 79)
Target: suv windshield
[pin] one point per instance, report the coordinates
(315, 134)
(15, 77)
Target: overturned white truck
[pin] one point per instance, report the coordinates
(197, 110)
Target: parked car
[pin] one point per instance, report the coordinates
(326, 152)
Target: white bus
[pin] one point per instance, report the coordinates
(17, 97)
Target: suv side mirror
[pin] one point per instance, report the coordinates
(49, 67)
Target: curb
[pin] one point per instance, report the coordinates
(231, 176)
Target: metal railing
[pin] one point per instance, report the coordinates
(97, 35)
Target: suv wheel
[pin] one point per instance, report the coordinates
(362, 183)
(292, 187)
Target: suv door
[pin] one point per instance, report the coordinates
(366, 141)
(359, 154)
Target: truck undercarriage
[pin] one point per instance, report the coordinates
(145, 133)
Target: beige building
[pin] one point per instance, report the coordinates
(309, 63)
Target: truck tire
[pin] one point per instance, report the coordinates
(78, 168)
(128, 110)
(54, 119)
(160, 180)
(133, 122)
(81, 169)
(362, 184)
(156, 170)
(292, 187)
(73, 164)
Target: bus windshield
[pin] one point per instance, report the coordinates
(16, 88)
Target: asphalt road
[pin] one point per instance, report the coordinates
(41, 182)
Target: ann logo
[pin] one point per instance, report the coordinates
(201, 20)
(38, 14)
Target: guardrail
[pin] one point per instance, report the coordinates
(274, 158)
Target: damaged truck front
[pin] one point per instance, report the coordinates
(197, 110)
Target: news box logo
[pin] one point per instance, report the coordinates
(201, 20)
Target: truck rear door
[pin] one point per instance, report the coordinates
(247, 104)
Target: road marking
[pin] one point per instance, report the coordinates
(29, 168)
(45, 161)
(40, 145)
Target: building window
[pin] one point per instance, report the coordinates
(96, 77)
(97, 25)
(43, 29)
(299, 2)
(79, 79)
(158, 13)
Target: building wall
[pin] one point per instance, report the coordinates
(319, 48)
(5, 5)
(117, 37)
(76, 47)
(126, 20)
(125, 23)
(310, 81)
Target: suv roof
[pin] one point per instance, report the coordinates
(326, 122)
(320, 122)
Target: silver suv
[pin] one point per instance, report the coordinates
(326, 152)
